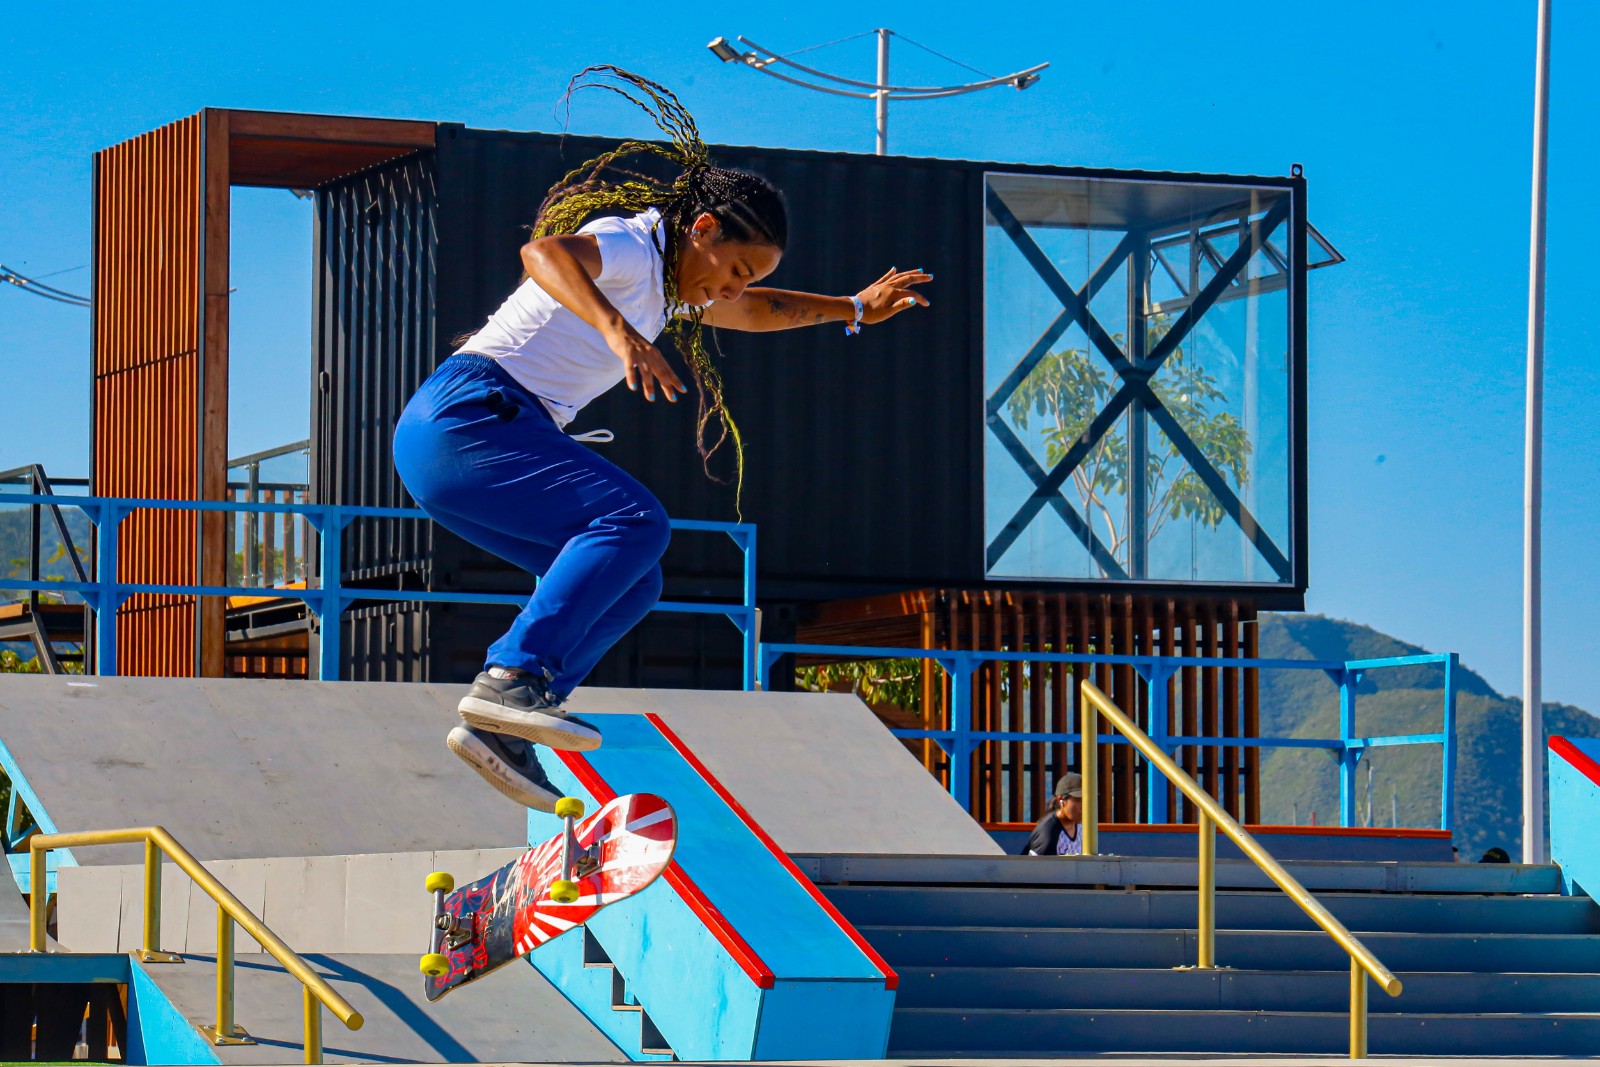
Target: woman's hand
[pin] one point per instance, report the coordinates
(643, 364)
(892, 294)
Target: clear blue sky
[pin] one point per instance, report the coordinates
(1413, 123)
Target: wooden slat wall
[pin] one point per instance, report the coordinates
(147, 380)
(162, 207)
(1012, 779)
(278, 666)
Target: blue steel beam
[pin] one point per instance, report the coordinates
(961, 740)
(105, 595)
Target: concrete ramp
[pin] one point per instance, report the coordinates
(819, 773)
(13, 920)
(240, 769)
(514, 1017)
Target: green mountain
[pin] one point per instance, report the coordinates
(15, 535)
(1408, 700)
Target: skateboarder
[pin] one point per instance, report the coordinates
(481, 446)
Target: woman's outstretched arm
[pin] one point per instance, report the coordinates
(759, 310)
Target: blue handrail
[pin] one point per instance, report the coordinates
(961, 739)
(105, 595)
(331, 598)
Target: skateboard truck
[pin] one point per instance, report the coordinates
(455, 932)
(564, 890)
(446, 928)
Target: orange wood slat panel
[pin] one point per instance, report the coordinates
(146, 388)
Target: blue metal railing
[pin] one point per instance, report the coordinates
(105, 595)
(960, 740)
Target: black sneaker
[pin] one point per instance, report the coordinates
(523, 706)
(507, 763)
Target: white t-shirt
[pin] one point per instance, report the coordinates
(1070, 844)
(557, 356)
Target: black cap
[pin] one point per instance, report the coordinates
(1070, 785)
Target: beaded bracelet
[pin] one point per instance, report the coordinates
(855, 327)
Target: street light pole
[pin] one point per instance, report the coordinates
(883, 92)
(880, 91)
(1533, 757)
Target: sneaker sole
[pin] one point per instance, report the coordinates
(552, 731)
(480, 759)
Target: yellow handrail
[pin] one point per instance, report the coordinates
(230, 910)
(1212, 816)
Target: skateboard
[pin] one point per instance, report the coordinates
(548, 890)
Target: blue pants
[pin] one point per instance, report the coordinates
(482, 457)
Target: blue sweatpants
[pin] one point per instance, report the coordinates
(482, 457)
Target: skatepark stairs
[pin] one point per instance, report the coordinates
(827, 899)
(1023, 956)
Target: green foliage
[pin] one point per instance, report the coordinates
(895, 682)
(12, 663)
(1069, 387)
(269, 560)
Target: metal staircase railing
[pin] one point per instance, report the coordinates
(33, 476)
(1212, 816)
(316, 992)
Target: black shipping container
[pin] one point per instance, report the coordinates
(865, 455)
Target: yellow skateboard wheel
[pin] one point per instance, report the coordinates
(563, 891)
(434, 964)
(438, 881)
(569, 806)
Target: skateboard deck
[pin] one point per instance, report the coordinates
(614, 853)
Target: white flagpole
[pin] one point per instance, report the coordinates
(1533, 757)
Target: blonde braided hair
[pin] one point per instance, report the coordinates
(746, 205)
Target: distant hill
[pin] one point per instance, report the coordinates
(1395, 701)
(15, 533)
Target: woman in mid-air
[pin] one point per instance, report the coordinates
(482, 448)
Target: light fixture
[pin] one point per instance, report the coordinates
(880, 91)
(725, 51)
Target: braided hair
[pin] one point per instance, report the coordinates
(747, 207)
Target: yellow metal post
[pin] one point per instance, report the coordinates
(152, 899)
(1362, 959)
(1089, 768)
(1358, 1011)
(1206, 947)
(226, 1032)
(313, 1008)
(317, 988)
(38, 898)
(151, 952)
(224, 974)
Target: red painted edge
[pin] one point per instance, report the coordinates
(1306, 831)
(745, 956)
(1575, 756)
(891, 980)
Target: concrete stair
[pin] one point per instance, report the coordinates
(1015, 969)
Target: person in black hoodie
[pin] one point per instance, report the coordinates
(1060, 832)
